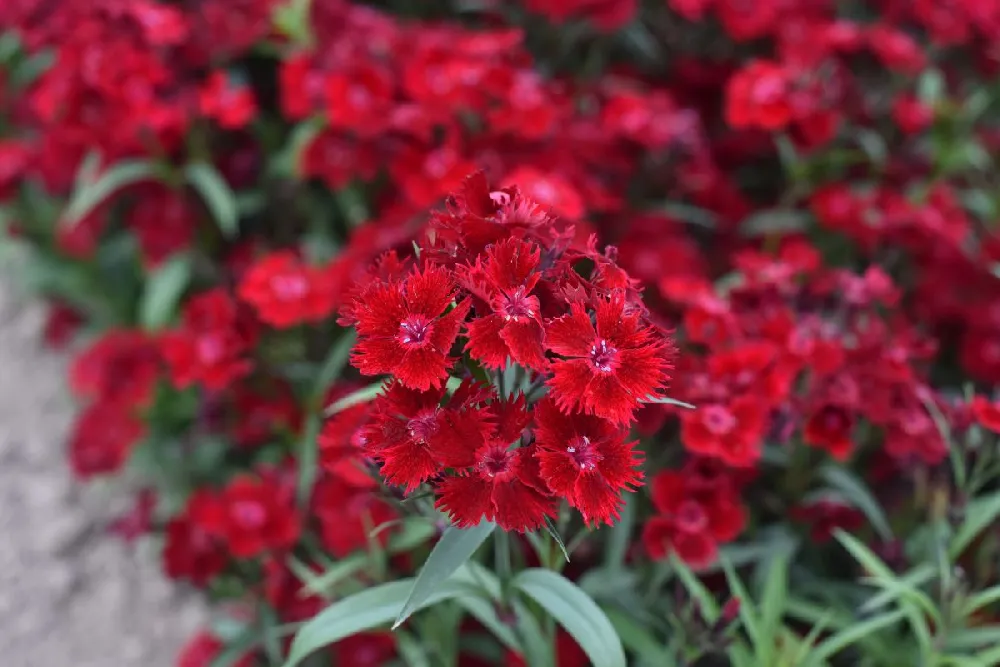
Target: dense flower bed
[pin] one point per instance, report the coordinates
(690, 308)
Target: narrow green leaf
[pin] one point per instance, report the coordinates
(411, 651)
(371, 608)
(454, 548)
(638, 639)
(362, 395)
(851, 635)
(308, 458)
(217, 195)
(748, 615)
(918, 576)
(979, 514)
(163, 292)
(965, 639)
(576, 612)
(616, 548)
(855, 491)
(865, 556)
(982, 599)
(772, 607)
(708, 606)
(111, 181)
(554, 534)
(666, 400)
(335, 361)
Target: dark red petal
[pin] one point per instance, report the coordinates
(379, 310)
(596, 499)
(428, 293)
(726, 518)
(375, 356)
(408, 464)
(460, 434)
(667, 491)
(569, 382)
(446, 328)
(485, 343)
(640, 371)
(559, 470)
(520, 507)
(510, 262)
(571, 335)
(619, 463)
(422, 368)
(465, 499)
(606, 397)
(657, 537)
(524, 339)
(696, 549)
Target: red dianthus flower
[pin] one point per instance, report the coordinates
(403, 329)
(286, 292)
(610, 371)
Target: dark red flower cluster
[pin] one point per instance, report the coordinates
(499, 289)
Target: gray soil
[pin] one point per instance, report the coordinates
(70, 593)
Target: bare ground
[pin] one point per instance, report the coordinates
(70, 593)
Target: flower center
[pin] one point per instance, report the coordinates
(603, 356)
(422, 427)
(210, 348)
(414, 330)
(583, 454)
(497, 462)
(248, 514)
(517, 305)
(719, 420)
(691, 517)
(289, 286)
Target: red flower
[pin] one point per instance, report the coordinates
(503, 486)
(415, 438)
(693, 519)
(211, 345)
(164, 221)
(568, 653)
(733, 432)
(255, 515)
(191, 551)
(359, 99)
(232, 106)
(285, 292)
(514, 329)
(758, 96)
(365, 649)
(550, 190)
(347, 515)
(986, 413)
(830, 428)
(586, 460)
(120, 367)
(102, 439)
(610, 371)
(403, 329)
(260, 414)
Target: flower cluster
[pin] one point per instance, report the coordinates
(501, 291)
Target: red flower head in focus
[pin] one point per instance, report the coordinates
(505, 282)
(403, 328)
(587, 460)
(610, 370)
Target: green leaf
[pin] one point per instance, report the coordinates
(851, 635)
(163, 292)
(366, 610)
(982, 599)
(217, 195)
(638, 640)
(239, 648)
(747, 612)
(616, 548)
(362, 395)
(122, 174)
(336, 359)
(454, 548)
(979, 514)
(772, 607)
(554, 534)
(774, 221)
(855, 490)
(708, 606)
(576, 612)
(666, 400)
(308, 458)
